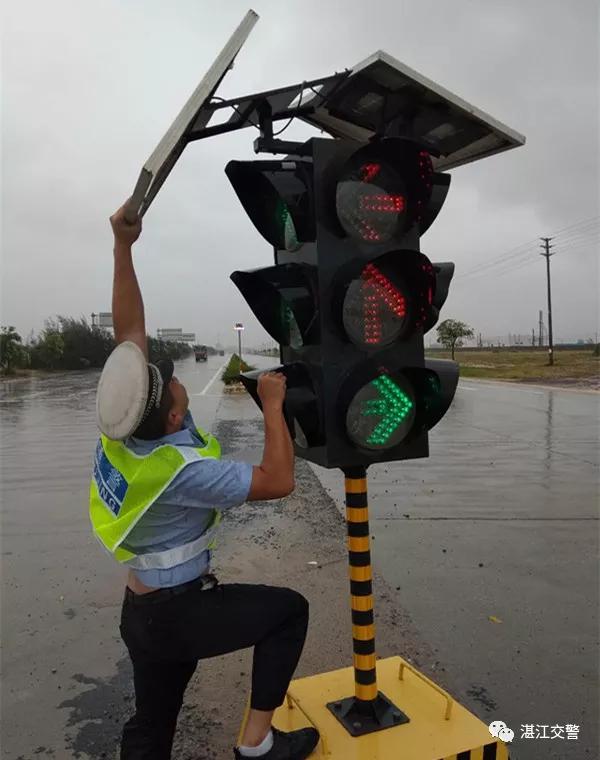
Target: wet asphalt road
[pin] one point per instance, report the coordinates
(500, 522)
(60, 592)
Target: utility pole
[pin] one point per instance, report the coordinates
(533, 336)
(541, 330)
(546, 246)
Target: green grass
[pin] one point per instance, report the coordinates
(504, 364)
(233, 369)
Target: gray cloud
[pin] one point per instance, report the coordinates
(89, 88)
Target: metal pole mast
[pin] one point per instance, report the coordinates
(546, 246)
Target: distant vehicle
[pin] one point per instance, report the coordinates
(221, 353)
(201, 353)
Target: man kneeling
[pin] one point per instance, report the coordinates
(158, 488)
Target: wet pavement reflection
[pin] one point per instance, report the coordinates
(491, 545)
(501, 524)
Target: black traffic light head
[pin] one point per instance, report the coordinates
(351, 295)
(383, 189)
(276, 196)
(302, 407)
(283, 298)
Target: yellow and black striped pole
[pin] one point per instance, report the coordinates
(361, 587)
(368, 710)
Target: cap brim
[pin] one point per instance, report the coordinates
(122, 391)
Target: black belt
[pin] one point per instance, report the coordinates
(203, 583)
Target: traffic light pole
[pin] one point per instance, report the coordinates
(368, 710)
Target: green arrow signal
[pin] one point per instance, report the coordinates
(287, 229)
(393, 406)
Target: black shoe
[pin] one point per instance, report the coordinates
(295, 745)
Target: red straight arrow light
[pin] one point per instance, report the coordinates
(378, 291)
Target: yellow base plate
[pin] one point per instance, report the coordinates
(439, 727)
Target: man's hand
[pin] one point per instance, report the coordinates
(271, 389)
(125, 232)
(274, 477)
(127, 304)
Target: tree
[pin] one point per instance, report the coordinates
(83, 345)
(12, 351)
(47, 350)
(451, 331)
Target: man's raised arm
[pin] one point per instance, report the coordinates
(127, 303)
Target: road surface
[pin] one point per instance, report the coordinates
(490, 548)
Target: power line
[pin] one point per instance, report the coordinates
(513, 267)
(500, 260)
(582, 224)
(584, 245)
(510, 254)
(589, 235)
(509, 267)
(583, 236)
(573, 232)
(497, 273)
(577, 224)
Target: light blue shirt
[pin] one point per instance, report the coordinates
(185, 508)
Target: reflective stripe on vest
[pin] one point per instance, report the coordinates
(170, 557)
(125, 485)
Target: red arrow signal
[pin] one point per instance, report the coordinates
(378, 293)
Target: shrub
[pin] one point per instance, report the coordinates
(232, 370)
(67, 343)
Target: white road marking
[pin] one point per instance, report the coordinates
(214, 377)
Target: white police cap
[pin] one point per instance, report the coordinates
(128, 390)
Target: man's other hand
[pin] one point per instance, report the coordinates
(125, 232)
(271, 389)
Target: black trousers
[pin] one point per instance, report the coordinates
(166, 634)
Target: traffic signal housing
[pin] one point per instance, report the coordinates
(350, 295)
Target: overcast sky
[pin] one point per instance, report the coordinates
(90, 87)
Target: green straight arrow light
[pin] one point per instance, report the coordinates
(393, 406)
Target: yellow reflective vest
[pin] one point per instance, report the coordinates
(125, 485)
